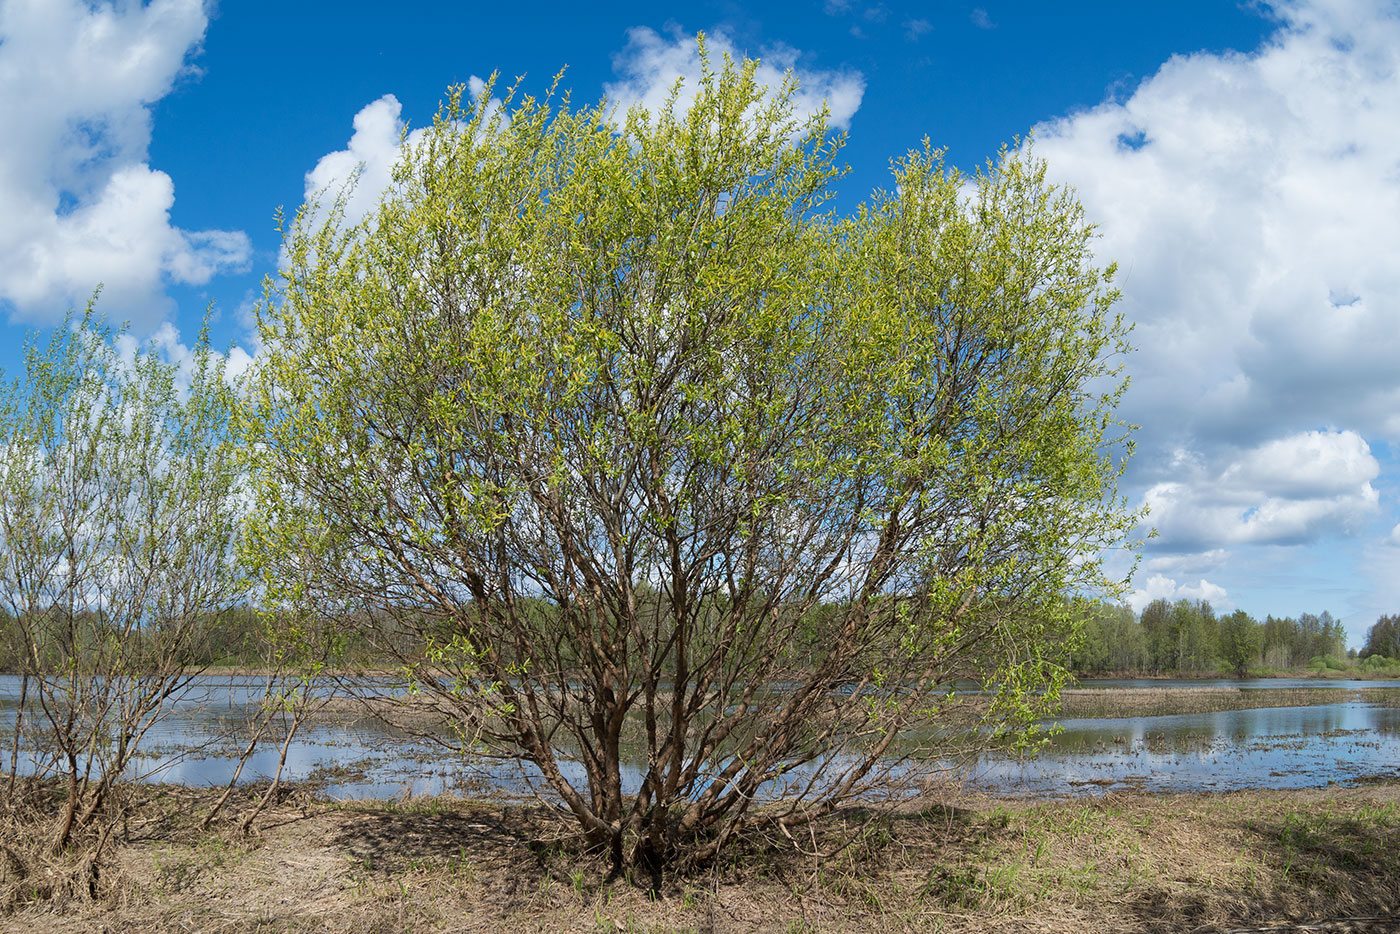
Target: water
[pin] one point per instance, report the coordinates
(1269, 747)
(1279, 747)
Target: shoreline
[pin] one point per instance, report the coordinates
(1309, 674)
(1080, 678)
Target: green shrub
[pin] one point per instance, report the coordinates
(1379, 665)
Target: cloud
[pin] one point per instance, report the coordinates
(372, 151)
(650, 65)
(648, 68)
(914, 29)
(1311, 465)
(1187, 565)
(375, 144)
(1291, 490)
(82, 204)
(169, 347)
(981, 20)
(1161, 587)
(1251, 201)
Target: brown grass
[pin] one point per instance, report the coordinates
(424, 712)
(1124, 862)
(1152, 702)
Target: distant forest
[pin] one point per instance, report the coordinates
(1188, 637)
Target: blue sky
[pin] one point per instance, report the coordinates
(1241, 161)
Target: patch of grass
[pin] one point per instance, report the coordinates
(1083, 703)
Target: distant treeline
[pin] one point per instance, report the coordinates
(1185, 637)
(235, 636)
(244, 636)
(1188, 637)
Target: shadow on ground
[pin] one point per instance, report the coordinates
(392, 842)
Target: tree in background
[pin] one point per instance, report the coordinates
(1280, 642)
(1320, 637)
(119, 505)
(1241, 640)
(1111, 639)
(1187, 637)
(1383, 638)
(1194, 625)
(638, 446)
(1180, 636)
(1159, 634)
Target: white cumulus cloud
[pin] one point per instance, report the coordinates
(650, 65)
(82, 204)
(1253, 204)
(1161, 587)
(1252, 201)
(1286, 491)
(374, 148)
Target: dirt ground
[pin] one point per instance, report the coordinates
(1239, 862)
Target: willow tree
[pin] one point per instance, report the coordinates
(658, 477)
(120, 499)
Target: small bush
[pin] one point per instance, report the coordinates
(1379, 665)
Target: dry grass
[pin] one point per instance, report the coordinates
(1155, 702)
(1128, 862)
(424, 712)
(31, 872)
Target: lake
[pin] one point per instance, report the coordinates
(1276, 747)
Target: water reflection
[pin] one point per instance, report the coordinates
(1282, 747)
(1278, 747)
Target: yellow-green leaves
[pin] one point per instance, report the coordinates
(595, 402)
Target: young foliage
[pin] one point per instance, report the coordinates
(687, 494)
(117, 519)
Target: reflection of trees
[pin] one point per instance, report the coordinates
(1384, 720)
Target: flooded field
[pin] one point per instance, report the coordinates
(1335, 731)
(1268, 747)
